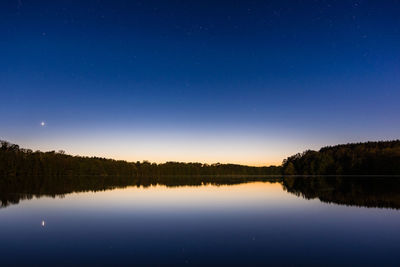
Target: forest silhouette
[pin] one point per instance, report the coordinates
(370, 158)
(16, 161)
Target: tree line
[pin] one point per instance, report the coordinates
(20, 162)
(370, 158)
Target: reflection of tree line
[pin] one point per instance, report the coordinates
(379, 192)
(382, 192)
(14, 189)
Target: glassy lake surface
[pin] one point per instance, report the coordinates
(289, 221)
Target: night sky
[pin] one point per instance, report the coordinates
(247, 82)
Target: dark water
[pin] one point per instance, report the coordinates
(320, 220)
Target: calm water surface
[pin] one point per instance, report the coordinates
(248, 223)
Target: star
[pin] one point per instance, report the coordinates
(42, 123)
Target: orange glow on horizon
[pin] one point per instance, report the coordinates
(161, 151)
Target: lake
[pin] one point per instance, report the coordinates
(294, 220)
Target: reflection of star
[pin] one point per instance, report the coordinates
(42, 123)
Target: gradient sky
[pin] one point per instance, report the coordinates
(247, 82)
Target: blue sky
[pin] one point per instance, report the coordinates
(248, 82)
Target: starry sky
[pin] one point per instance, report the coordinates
(248, 82)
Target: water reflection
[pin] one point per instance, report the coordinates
(374, 192)
(200, 221)
(13, 190)
(379, 192)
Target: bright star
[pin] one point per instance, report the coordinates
(42, 123)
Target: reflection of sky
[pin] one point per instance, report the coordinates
(247, 223)
(181, 198)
